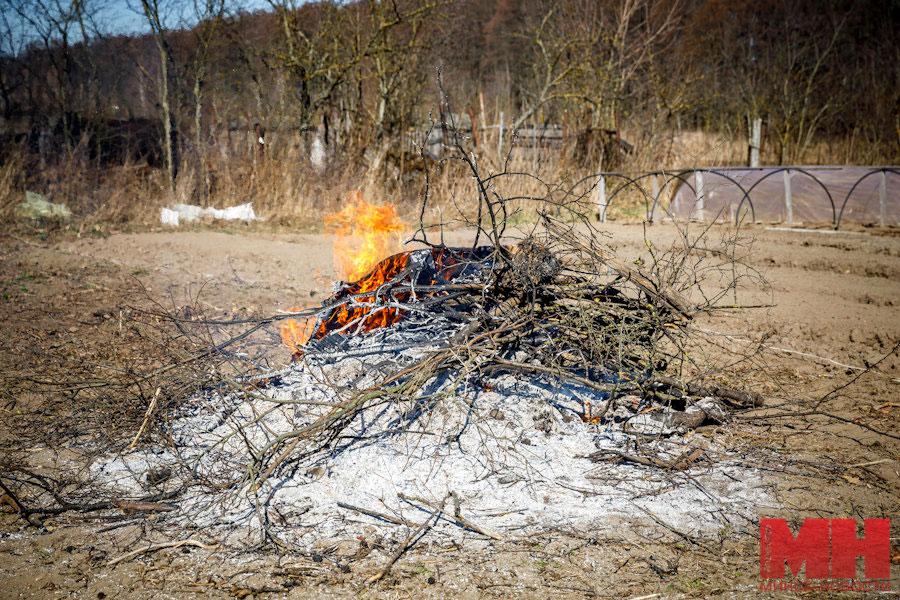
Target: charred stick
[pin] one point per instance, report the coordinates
(741, 399)
(373, 513)
(10, 498)
(403, 288)
(13, 500)
(679, 464)
(464, 522)
(146, 507)
(147, 504)
(600, 455)
(564, 375)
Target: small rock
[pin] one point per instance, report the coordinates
(496, 414)
(855, 335)
(713, 409)
(690, 418)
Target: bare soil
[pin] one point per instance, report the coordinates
(67, 302)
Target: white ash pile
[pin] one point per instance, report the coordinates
(512, 449)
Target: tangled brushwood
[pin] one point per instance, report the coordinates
(556, 304)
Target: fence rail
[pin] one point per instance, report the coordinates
(815, 194)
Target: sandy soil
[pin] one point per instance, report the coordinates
(835, 297)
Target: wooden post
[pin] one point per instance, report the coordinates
(698, 177)
(788, 201)
(601, 198)
(500, 138)
(481, 101)
(674, 205)
(475, 134)
(882, 197)
(755, 141)
(654, 189)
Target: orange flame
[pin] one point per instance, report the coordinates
(293, 334)
(447, 264)
(364, 234)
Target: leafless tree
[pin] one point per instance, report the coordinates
(56, 27)
(209, 15)
(157, 14)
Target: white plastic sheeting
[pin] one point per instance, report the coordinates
(189, 213)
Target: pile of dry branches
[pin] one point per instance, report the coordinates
(553, 301)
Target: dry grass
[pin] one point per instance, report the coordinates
(11, 182)
(286, 190)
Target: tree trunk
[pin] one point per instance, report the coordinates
(166, 113)
(198, 115)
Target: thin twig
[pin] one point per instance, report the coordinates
(408, 542)
(150, 410)
(161, 546)
(373, 513)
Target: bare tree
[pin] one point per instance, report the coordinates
(782, 63)
(12, 76)
(209, 14)
(317, 57)
(802, 99)
(551, 68)
(396, 45)
(56, 26)
(156, 13)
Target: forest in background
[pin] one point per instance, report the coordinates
(342, 94)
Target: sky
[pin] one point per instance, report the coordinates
(121, 17)
(113, 17)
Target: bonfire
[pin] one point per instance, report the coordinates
(495, 379)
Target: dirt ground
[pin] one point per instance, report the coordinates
(834, 323)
